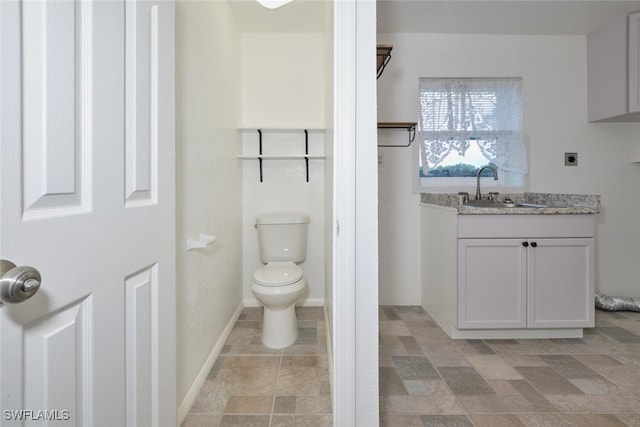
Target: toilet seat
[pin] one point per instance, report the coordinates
(278, 274)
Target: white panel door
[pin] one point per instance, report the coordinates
(87, 197)
(561, 283)
(492, 283)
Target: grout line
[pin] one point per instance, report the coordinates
(275, 388)
(262, 354)
(532, 352)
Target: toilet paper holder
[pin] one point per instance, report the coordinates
(204, 241)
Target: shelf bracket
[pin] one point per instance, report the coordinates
(383, 53)
(260, 151)
(306, 151)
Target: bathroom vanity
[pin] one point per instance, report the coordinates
(521, 270)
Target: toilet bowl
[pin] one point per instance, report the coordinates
(277, 286)
(282, 241)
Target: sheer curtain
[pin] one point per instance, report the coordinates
(455, 113)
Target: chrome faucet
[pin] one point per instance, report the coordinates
(495, 178)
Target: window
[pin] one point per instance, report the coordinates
(466, 124)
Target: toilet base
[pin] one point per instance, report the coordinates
(280, 327)
(280, 324)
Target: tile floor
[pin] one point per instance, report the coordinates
(427, 379)
(251, 385)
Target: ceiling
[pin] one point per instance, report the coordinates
(499, 17)
(299, 16)
(553, 17)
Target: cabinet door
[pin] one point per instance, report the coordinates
(560, 283)
(634, 62)
(607, 69)
(491, 283)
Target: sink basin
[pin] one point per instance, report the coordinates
(525, 205)
(483, 204)
(490, 204)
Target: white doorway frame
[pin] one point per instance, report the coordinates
(355, 326)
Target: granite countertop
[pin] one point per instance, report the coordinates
(554, 204)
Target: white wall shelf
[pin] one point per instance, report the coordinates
(260, 157)
(409, 126)
(279, 156)
(281, 130)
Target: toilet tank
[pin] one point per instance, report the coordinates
(282, 237)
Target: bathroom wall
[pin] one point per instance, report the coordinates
(555, 119)
(209, 187)
(328, 182)
(283, 87)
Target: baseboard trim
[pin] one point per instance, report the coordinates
(328, 334)
(190, 398)
(311, 302)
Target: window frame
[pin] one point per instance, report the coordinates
(508, 182)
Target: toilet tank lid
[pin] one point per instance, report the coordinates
(285, 218)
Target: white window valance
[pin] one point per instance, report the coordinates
(454, 113)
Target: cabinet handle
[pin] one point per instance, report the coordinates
(534, 244)
(525, 244)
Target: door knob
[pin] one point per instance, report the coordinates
(17, 284)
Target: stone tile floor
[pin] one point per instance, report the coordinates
(428, 379)
(251, 385)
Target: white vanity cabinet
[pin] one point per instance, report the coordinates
(508, 276)
(613, 71)
(525, 283)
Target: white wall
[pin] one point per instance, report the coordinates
(283, 80)
(555, 119)
(329, 226)
(283, 86)
(209, 185)
(398, 236)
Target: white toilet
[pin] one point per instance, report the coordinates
(282, 240)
